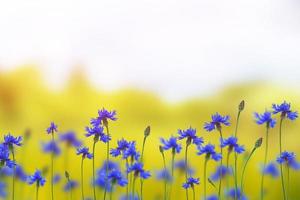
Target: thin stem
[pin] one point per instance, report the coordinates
(142, 157)
(288, 182)
(107, 161)
(133, 186)
(127, 186)
(37, 192)
(264, 166)
(227, 167)
(52, 166)
(94, 186)
(235, 156)
(280, 151)
(172, 172)
(111, 192)
(221, 163)
(186, 170)
(194, 195)
(82, 190)
(165, 184)
(204, 177)
(14, 174)
(244, 169)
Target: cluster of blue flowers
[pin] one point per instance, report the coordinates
(130, 166)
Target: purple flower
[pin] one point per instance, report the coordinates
(103, 116)
(115, 176)
(232, 193)
(51, 147)
(10, 140)
(37, 178)
(70, 185)
(285, 110)
(265, 118)
(138, 170)
(232, 144)
(164, 175)
(191, 182)
(70, 139)
(4, 157)
(220, 172)
(122, 146)
(52, 128)
(3, 190)
(56, 178)
(98, 133)
(216, 121)
(20, 174)
(190, 135)
(209, 151)
(271, 169)
(171, 144)
(181, 166)
(84, 151)
(212, 197)
(131, 152)
(288, 158)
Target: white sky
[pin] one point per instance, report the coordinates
(178, 49)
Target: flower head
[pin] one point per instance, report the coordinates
(98, 133)
(3, 190)
(103, 116)
(37, 178)
(122, 146)
(190, 135)
(115, 176)
(232, 144)
(51, 147)
(209, 151)
(285, 110)
(56, 178)
(70, 185)
(212, 197)
(101, 179)
(232, 193)
(131, 152)
(10, 140)
(216, 121)
(288, 158)
(164, 175)
(171, 144)
(265, 118)
(52, 128)
(220, 172)
(138, 170)
(20, 174)
(84, 151)
(271, 169)
(4, 157)
(70, 139)
(181, 166)
(191, 182)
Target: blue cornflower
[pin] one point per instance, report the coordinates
(37, 178)
(131, 197)
(232, 144)
(217, 121)
(2, 190)
(171, 144)
(56, 178)
(70, 185)
(98, 133)
(121, 147)
(51, 147)
(220, 172)
(115, 176)
(52, 128)
(271, 169)
(164, 175)
(181, 166)
(84, 151)
(231, 194)
(288, 158)
(212, 197)
(6, 171)
(285, 110)
(190, 135)
(131, 152)
(100, 181)
(190, 182)
(209, 151)
(20, 174)
(70, 139)
(265, 118)
(138, 170)
(110, 165)
(103, 116)
(10, 140)
(4, 157)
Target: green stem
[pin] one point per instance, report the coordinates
(142, 157)
(204, 177)
(264, 166)
(37, 192)
(14, 174)
(52, 170)
(280, 151)
(165, 184)
(133, 186)
(127, 186)
(235, 156)
(107, 161)
(172, 172)
(111, 192)
(194, 195)
(94, 186)
(82, 189)
(221, 163)
(288, 182)
(244, 169)
(227, 167)
(186, 170)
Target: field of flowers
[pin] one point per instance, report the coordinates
(80, 143)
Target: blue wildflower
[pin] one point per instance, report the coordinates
(4, 157)
(164, 175)
(10, 140)
(190, 182)
(217, 121)
(138, 170)
(37, 178)
(70, 185)
(181, 166)
(52, 128)
(103, 116)
(271, 169)
(6, 171)
(232, 193)
(101, 181)
(121, 147)
(115, 176)
(190, 135)
(285, 110)
(51, 147)
(288, 158)
(3, 190)
(265, 118)
(220, 172)
(56, 178)
(209, 151)
(131, 152)
(171, 144)
(212, 197)
(98, 133)
(20, 174)
(131, 197)
(84, 151)
(232, 144)
(70, 139)
(110, 165)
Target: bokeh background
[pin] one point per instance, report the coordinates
(166, 64)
